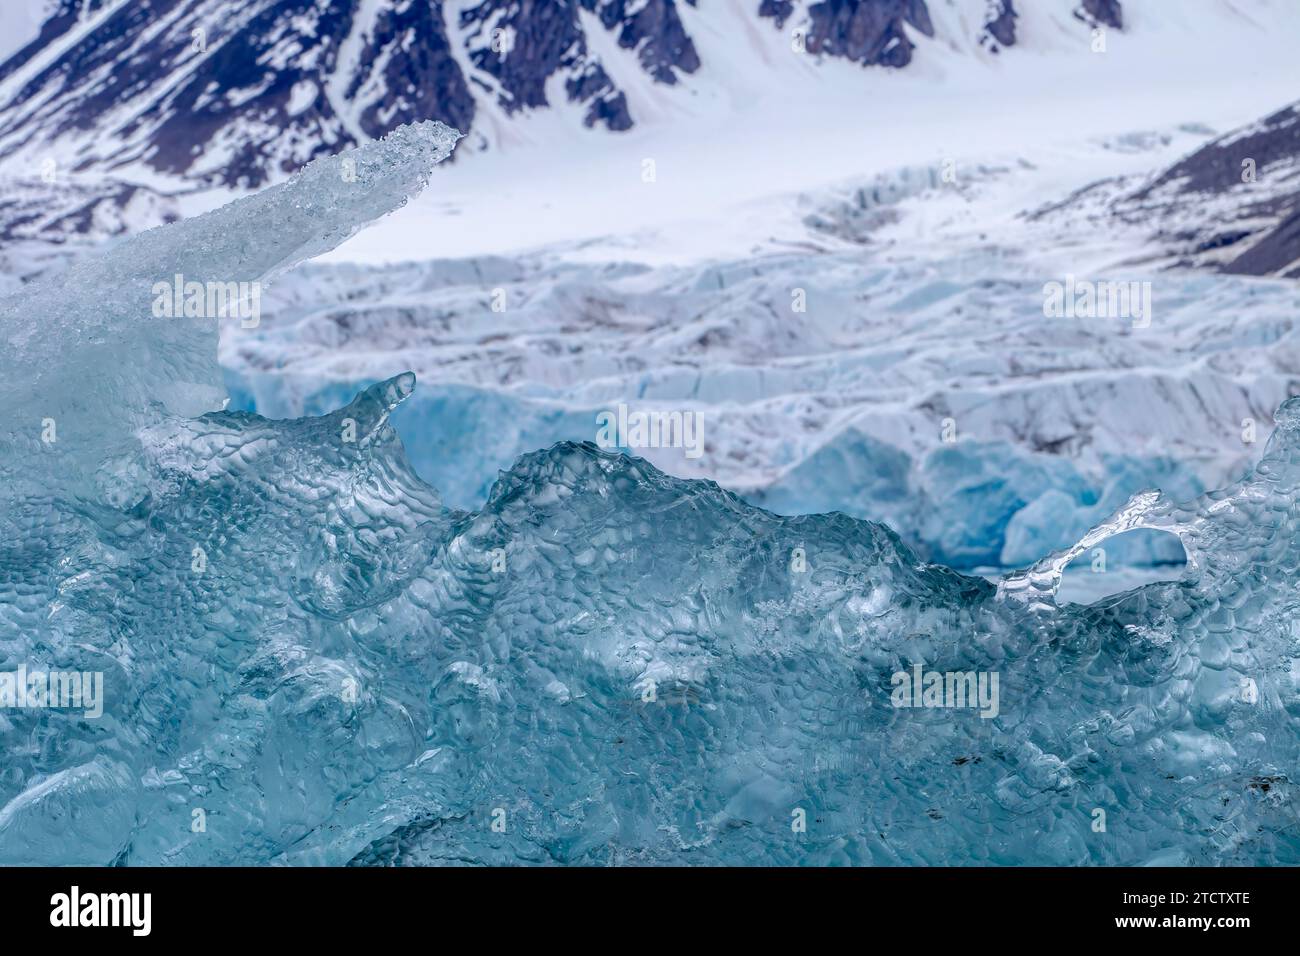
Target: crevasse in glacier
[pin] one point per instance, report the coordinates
(308, 659)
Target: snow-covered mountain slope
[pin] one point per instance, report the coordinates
(181, 101)
(924, 300)
(20, 24)
(714, 164)
(1233, 204)
(184, 94)
(236, 92)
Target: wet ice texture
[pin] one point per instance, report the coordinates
(349, 679)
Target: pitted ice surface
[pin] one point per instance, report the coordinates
(308, 659)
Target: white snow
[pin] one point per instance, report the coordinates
(759, 123)
(20, 23)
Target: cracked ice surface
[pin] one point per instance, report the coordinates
(842, 408)
(619, 665)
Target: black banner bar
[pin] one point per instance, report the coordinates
(336, 905)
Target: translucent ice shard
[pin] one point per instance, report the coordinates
(307, 658)
(1043, 580)
(1248, 529)
(85, 356)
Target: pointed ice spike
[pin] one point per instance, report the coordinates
(93, 349)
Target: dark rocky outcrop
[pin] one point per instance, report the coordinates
(1105, 13)
(1234, 203)
(547, 38)
(1000, 27)
(870, 32)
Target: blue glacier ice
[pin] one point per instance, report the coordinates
(843, 407)
(968, 505)
(309, 658)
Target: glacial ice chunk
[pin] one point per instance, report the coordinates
(309, 659)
